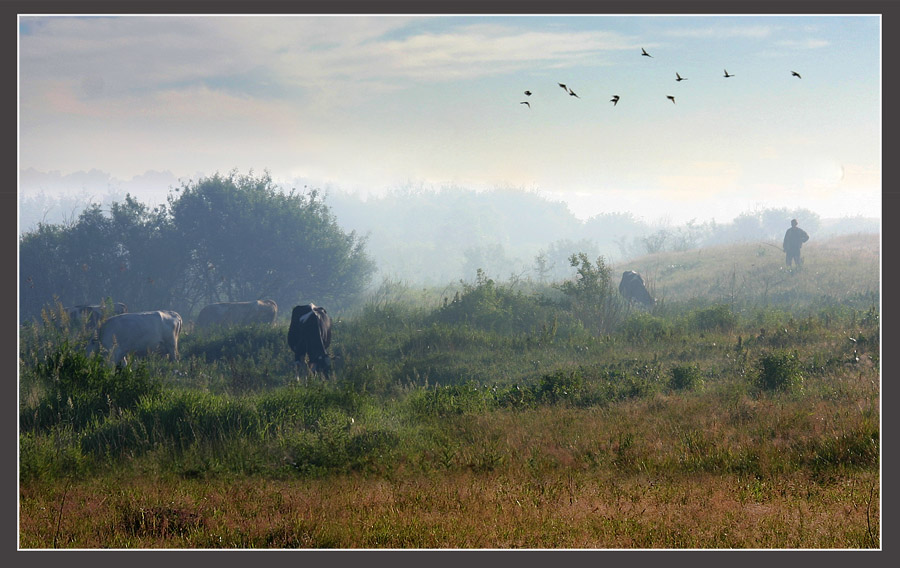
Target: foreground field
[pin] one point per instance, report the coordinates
(550, 422)
(649, 474)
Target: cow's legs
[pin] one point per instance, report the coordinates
(297, 366)
(171, 350)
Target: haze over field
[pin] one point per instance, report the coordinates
(368, 104)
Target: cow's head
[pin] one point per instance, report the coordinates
(643, 296)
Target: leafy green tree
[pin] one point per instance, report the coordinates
(247, 239)
(128, 255)
(147, 262)
(43, 263)
(224, 238)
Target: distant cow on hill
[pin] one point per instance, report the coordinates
(238, 313)
(310, 336)
(633, 289)
(92, 315)
(139, 333)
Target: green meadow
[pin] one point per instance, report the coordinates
(741, 411)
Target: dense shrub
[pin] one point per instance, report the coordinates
(51, 457)
(334, 446)
(76, 389)
(684, 377)
(488, 306)
(560, 385)
(179, 419)
(590, 294)
(643, 327)
(714, 318)
(779, 371)
(622, 385)
(303, 407)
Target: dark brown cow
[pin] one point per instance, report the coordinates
(633, 289)
(309, 336)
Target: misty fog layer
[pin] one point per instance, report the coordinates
(434, 237)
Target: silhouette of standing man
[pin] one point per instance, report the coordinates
(793, 240)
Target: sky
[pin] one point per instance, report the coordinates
(370, 103)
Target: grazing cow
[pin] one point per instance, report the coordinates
(138, 333)
(632, 287)
(238, 313)
(310, 335)
(92, 315)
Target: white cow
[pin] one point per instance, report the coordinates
(238, 313)
(138, 333)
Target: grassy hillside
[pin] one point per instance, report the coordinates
(840, 270)
(742, 411)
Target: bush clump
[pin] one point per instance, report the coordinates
(714, 318)
(684, 377)
(643, 327)
(560, 385)
(488, 306)
(779, 371)
(77, 389)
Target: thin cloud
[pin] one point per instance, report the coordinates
(723, 32)
(810, 43)
(477, 52)
(141, 54)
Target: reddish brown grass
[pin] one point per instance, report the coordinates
(566, 509)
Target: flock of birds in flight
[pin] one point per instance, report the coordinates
(615, 98)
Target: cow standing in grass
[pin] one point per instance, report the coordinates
(309, 337)
(140, 333)
(633, 289)
(238, 313)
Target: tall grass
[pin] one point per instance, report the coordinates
(532, 415)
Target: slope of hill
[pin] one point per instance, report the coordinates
(844, 269)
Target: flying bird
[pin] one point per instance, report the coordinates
(679, 77)
(795, 74)
(525, 103)
(671, 98)
(564, 88)
(614, 100)
(727, 75)
(572, 94)
(644, 53)
(527, 93)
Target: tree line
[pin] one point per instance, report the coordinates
(223, 238)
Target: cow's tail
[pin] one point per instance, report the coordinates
(178, 325)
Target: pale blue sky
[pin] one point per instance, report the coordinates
(368, 103)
